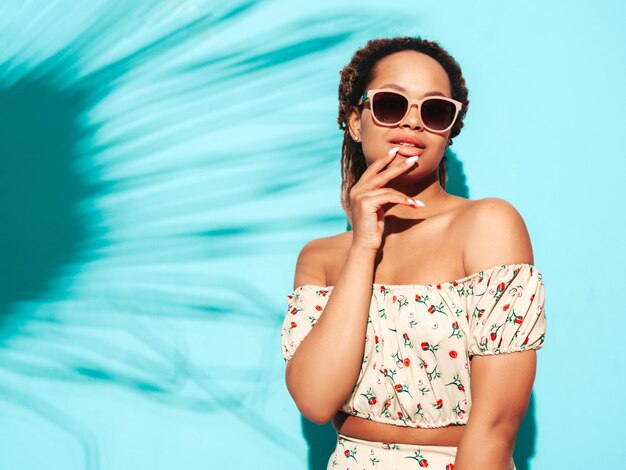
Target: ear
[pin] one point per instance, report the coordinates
(354, 123)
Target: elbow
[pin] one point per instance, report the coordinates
(507, 428)
(502, 429)
(308, 401)
(315, 414)
(511, 426)
(312, 408)
(508, 422)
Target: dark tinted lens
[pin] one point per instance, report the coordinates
(437, 113)
(389, 107)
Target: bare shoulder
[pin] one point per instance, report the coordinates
(314, 259)
(497, 234)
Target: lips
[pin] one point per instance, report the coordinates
(408, 139)
(408, 151)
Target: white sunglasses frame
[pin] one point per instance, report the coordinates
(371, 93)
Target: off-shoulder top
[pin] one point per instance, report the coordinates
(420, 338)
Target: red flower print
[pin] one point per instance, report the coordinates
(431, 309)
(293, 324)
(424, 346)
(452, 354)
(319, 308)
(493, 336)
(454, 283)
(500, 287)
(506, 307)
(417, 298)
(398, 387)
(387, 404)
(462, 388)
(372, 401)
(346, 452)
(376, 339)
(407, 362)
(455, 325)
(439, 403)
(405, 336)
(532, 297)
(425, 365)
(382, 288)
(438, 286)
(394, 299)
(294, 311)
(526, 340)
(450, 466)
(399, 414)
(424, 463)
(519, 320)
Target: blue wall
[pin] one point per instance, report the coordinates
(164, 162)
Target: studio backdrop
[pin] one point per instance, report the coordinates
(163, 163)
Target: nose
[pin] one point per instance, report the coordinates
(412, 119)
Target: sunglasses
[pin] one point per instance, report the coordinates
(390, 107)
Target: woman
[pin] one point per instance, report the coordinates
(426, 287)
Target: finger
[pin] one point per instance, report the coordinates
(381, 162)
(371, 171)
(390, 192)
(381, 179)
(362, 184)
(379, 200)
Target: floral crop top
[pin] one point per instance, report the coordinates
(420, 338)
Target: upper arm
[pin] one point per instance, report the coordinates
(310, 265)
(310, 269)
(501, 387)
(497, 234)
(502, 383)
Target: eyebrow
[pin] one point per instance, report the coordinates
(401, 88)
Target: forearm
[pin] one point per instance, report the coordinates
(322, 373)
(486, 446)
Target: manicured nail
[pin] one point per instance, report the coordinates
(411, 160)
(416, 202)
(393, 151)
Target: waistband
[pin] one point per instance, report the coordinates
(399, 446)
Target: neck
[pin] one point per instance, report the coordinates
(428, 190)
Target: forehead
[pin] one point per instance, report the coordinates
(414, 71)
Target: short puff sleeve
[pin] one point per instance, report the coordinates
(506, 311)
(304, 307)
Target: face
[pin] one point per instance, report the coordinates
(417, 74)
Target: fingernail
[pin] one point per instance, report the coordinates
(393, 150)
(411, 160)
(416, 202)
